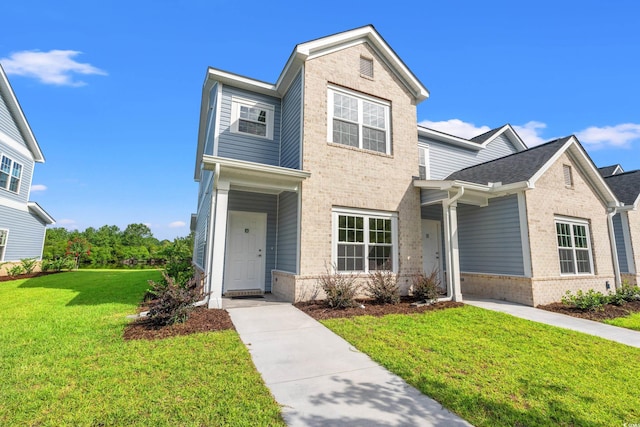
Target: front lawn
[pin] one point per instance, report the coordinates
(497, 370)
(64, 361)
(631, 321)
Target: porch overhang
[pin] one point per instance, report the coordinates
(437, 191)
(256, 177)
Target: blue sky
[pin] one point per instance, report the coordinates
(112, 89)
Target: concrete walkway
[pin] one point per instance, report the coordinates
(602, 330)
(321, 380)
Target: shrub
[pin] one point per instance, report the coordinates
(628, 292)
(15, 270)
(616, 298)
(174, 302)
(57, 264)
(590, 300)
(340, 289)
(382, 286)
(29, 264)
(426, 287)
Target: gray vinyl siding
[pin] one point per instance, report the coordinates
(25, 181)
(291, 116)
(211, 121)
(8, 124)
(428, 195)
(266, 203)
(26, 234)
(489, 237)
(620, 246)
(287, 232)
(246, 147)
(444, 159)
(202, 230)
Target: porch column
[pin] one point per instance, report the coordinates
(614, 249)
(219, 242)
(450, 216)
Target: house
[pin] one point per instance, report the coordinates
(327, 170)
(626, 186)
(22, 222)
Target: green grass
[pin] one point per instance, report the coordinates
(63, 361)
(496, 370)
(631, 321)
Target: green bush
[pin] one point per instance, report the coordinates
(29, 264)
(15, 270)
(590, 300)
(382, 287)
(340, 289)
(174, 302)
(426, 287)
(628, 292)
(58, 264)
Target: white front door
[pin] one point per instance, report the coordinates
(245, 254)
(431, 246)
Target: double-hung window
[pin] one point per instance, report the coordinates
(252, 118)
(423, 162)
(365, 241)
(3, 242)
(574, 246)
(358, 120)
(10, 174)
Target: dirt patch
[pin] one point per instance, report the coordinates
(201, 319)
(609, 311)
(319, 311)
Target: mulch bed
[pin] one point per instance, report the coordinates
(201, 319)
(609, 311)
(319, 311)
(27, 276)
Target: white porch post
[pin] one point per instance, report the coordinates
(614, 249)
(450, 216)
(220, 232)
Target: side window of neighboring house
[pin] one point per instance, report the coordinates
(10, 174)
(574, 246)
(3, 242)
(423, 167)
(358, 120)
(365, 241)
(252, 118)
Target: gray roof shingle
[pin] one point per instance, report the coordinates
(480, 139)
(606, 171)
(513, 168)
(626, 186)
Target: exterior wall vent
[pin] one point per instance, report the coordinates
(366, 67)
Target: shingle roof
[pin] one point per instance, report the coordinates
(480, 139)
(515, 167)
(606, 171)
(626, 186)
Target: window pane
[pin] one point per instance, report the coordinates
(582, 259)
(350, 257)
(348, 230)
(373, 115)
(564, 235)
(345, 133)
(252, 127)
(5, 165)
(380, 258)
(14, 184)
(580, 236)
(566, 261)
(374, 139)
(345, 107)
(3, 237)
(17, 170)
(4, 179)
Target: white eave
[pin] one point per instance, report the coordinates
(476, 194)
(41, 213)
(21, 121)
(257, 177)
(509, 132)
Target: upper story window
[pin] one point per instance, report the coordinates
(10, 174)
(252, 118)
(3, 242)
(358, 120)
(423, 162)
(574, 246)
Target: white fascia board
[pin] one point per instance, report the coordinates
(511, 134)
(210, 163)
(242, 82)
(449, 139)
(494, 189)
(21, 120)
(37, 209)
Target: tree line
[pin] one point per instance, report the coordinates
(109, 246)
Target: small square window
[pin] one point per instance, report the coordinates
(366, 67)
(252, 118)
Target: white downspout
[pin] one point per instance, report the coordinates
(614, 249)
(448, 244)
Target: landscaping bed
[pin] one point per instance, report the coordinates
(201, 319)
(608, 311)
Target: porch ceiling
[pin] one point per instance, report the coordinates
(256, 177)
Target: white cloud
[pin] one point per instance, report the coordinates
(618, 136)
(56, 67)
(177, 224)
(456, 127)
(530, 133)
(38, 187)
(68, 223)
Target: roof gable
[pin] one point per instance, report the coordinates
(606, 171)
(626, 187)
(20, 120)
(476, 143)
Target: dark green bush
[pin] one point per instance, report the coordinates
(59, 264)
(426, 287)
(29, 264)
(590, 300)
(340, 289)
(174, 302)
(628, 292)
(382, 287)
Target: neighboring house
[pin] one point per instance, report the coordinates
(626, 186)
(326, 169)
(22, 222)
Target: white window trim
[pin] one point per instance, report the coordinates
(236, 102)
(3, 251)
(359, 97)
(13, 161)
(574, 221)
(424, 149)
(367, 214)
